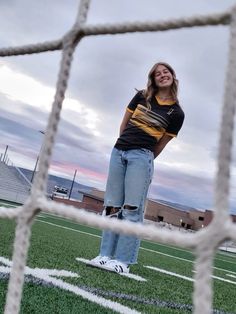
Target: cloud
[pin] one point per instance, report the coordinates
(105, 72)
(187, 189)
(183, 188)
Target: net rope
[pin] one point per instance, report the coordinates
(204, 242)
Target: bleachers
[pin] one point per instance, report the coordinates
(13, 186)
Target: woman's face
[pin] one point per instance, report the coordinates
(163, 77)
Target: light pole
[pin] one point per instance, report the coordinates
(72, 184)
(5, 155)
(37, 160)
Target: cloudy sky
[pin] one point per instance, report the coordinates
(105, 72)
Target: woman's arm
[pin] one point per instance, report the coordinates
(125, 120)
(161, 144)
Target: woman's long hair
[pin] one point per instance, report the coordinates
(152, 88)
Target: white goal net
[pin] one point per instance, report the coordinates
(204, 242)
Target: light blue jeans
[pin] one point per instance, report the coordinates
(130, 174)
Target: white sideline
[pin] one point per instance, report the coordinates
(185, 277)
(142, 248)
(46, 215)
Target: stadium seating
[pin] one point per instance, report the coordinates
(14, 186)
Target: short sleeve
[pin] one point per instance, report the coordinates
(176, 123)
(137, 99)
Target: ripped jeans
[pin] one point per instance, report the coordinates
(130, 174)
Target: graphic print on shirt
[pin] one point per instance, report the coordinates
(149, 121)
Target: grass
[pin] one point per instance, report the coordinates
(54, 247)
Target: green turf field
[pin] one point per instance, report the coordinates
(55, 245)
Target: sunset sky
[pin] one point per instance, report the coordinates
(105, 72)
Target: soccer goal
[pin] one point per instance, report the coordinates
(206, 241)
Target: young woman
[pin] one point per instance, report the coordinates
(152, 119)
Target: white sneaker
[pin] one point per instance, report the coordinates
(117, 266)
(100, 260)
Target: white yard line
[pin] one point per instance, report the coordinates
(65, 219)
(225, 280)
(230, 275)
(142, 248)
(47, 275)
(67, 228)
(160, 244)
(115, 306)
(169, 273)
(185, 277)
(185, 260)
(46, 215)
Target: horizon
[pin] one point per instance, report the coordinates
(105, 72)
(149, 198)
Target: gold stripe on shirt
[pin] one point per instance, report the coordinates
(131, 111)
(150, 118)
(165, 102)
(150, 130)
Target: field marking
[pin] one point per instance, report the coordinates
(65, 219)
(233, 276)
(168, 255)
(46, 276)
(185, 260)
(96, 291)
(97, 236)
(142, 248)
(225, 280)
(185, 277)
(160, 244)
(112, 294)
(67, 228)
(160, 270)
(37, 272)
(131, 276)
(226, 270)
(222, 279)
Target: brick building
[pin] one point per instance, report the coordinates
(89, 202)
(209, 217)
(192, 219)
(155, 211)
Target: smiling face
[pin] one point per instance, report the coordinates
(162, 81)
(163, 77)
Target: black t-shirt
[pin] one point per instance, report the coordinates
(149, 123)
